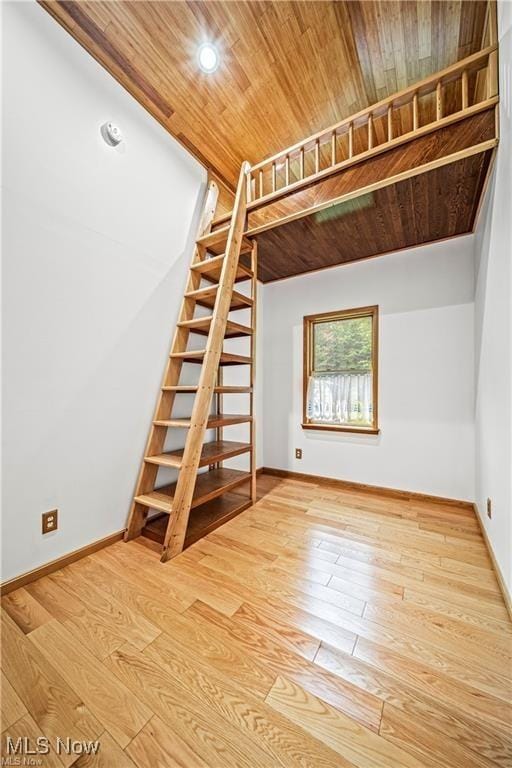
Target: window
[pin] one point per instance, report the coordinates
(340, 370)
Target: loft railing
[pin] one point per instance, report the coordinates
(463, 89)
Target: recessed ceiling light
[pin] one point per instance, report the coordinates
(208, 57)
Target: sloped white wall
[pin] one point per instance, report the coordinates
(493, 315)
(426, 389)
(96, 244)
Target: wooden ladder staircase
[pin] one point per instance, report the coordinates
(216, 260)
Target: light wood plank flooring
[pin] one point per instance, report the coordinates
(319, 629)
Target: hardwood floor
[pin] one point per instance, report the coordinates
(320, 628)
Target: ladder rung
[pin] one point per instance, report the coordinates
(208, 486)
(216, 241)
(215, 420)
(226, 358)
(211, 453)
(208, 517)
(201, 325)
(210, 269)
(206, 298)
(185, 388)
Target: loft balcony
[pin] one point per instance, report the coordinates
(408, 170)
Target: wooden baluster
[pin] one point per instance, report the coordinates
(273, 177)
(492, 75)
(317, 156)
(492, 63)
(439, 101)
(261, 183)
(333, 148)
(370, 131)
(302, 162)
(390, 122)
(249, 186)
(415, 120)
(287, 170)
(350, 140)
(465, 98)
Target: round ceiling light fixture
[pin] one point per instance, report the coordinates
(208, 57)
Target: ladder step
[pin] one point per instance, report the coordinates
(205, 519)
(184, 388)
(208, 486)
(210, 269)
(226, 358)
(211, 453)
(206, 298)
(215, 420)
(201, 325)
(215, 242)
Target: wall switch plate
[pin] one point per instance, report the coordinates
(298, 453)
(489, 509)
(49, 521)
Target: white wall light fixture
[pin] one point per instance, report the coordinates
(111, 134)
(208, 57)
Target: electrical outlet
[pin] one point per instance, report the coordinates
(298, 453)
(489, 509)
(50, 521)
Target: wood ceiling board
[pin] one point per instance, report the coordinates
(287, 70)
(467, 133)
(432, 206)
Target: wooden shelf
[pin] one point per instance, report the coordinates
(186, 389)
(206, 298)
(201, 325)
(203, 519)
(215, 420)
(226, 358)
(215, 242)
(211, 453)
(208, 486)
(210, 269)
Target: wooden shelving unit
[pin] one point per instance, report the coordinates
(198, 501)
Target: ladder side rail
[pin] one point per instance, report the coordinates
(178, 520)
(254, 317)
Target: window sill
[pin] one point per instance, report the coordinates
(342, 428)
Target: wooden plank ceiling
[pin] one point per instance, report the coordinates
(432, 206)
(287, 69)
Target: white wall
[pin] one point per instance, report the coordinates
(96, 244)
(425, 298)
(493, 337)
